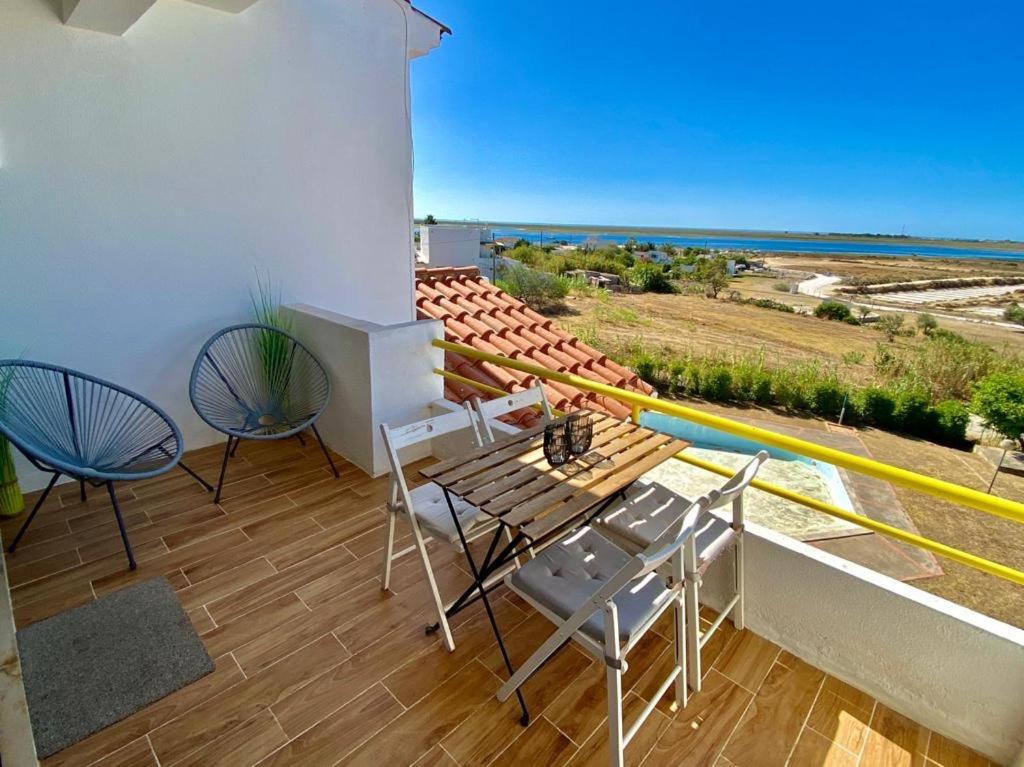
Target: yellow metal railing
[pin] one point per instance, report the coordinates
(947, 491)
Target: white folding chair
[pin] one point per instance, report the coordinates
(425, 507)
(644, 515)
(490, 410)
(605, 600)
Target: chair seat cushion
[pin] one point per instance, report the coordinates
(647, 512)
(436, 519)
(565, 576)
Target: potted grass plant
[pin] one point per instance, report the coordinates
(272, 348)
(12, 502)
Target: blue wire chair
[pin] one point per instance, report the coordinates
(258, 382)
(72, 424)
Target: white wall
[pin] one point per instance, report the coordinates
(379, 374)
(447, 245)
(944, 666)
(144, 178)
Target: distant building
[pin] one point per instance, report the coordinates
(653, 256)
(452, 245)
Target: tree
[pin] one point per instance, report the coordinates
(539, 290)
(926, 323)
(712, 274)
(891, 325)
(430, 220)
(650, 278)
(999, 399)
(832, 310)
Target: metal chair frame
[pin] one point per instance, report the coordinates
(729, 493)
(82, 473)
(666, 550)
(207, 368)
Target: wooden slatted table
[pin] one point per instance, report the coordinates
(512, 482)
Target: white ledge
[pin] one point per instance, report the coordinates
(115, 17)
(111, 16)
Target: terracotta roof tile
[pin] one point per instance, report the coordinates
(478, 314)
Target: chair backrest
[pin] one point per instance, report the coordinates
(732, 489)
(398, 437)
(84, 426)
(246, 371)
(669, 544)
(488, 410)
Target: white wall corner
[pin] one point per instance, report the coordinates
(403, 381)
(379, 374)
(229, 6)
(424, 33)
(111, 16)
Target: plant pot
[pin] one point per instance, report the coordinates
(12, 502)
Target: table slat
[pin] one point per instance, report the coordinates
(595, 494)
(463, 488)
(491, 455)
(526, 474)
(522, 513)
(568, 476)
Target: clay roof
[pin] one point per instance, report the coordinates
(478, 314)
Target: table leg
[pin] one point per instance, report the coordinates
(479, 584)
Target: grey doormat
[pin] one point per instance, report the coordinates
(89, 667)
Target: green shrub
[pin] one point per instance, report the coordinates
(891, 325)
(833, 310)
(1014, 313)
(912, 413)
(650, 278)
(999, 399)
(950, 425)
(716, 384)
(763, 303)
(874, 406)
(534, 288)
(788, 390)
(827, 397)
(926, 323)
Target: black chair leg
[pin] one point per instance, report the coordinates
(323, 447)
(298, 436)
(224, 468)
(35, 510)
(195, 476)
(235, 448)
(120, 525)
(81, 488)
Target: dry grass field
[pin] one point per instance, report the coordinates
(709, 326)
(876, 269)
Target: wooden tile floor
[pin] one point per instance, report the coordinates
(315, 665)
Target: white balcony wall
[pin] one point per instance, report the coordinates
(949, 668)
(145, 178)
(379, 374)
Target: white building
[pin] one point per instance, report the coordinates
(457, 245)
(154, 156)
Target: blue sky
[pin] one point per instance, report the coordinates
(872, 116)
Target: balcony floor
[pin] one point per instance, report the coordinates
(316, 665)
